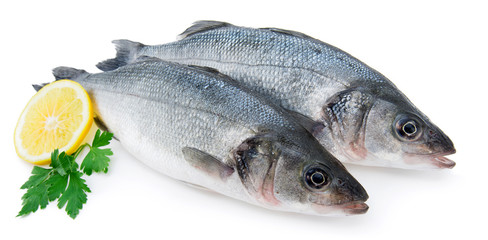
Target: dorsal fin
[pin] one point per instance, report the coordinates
(215, 72)
(205, 69)
(289, 32)
(145, 58)
(202, 26)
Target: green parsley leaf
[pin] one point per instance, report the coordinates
(97, 159)
(102, 139)
(57, 186)
(39, 174)
(63, 181)
(62, 163)
(34, 198)
(74, 195)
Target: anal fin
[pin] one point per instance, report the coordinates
(207, 163)
(102, 126)
(197, 186)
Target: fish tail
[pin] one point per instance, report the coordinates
(69, 73)
(64, 73)
(38, 87)
(127, 52)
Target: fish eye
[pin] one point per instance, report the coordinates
(407, 128)
(316, 178)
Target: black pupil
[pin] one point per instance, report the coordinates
(409, 128)
(317, 178)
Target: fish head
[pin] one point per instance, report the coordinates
(299, 176)
(403, 136)
(369, 128)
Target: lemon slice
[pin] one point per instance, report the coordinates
(58, 117)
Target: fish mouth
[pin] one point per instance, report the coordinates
(350, 208)
(443, 162)
(354, 208)
(438, 161)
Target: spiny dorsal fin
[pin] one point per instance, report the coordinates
(202, 26)
(289, 32)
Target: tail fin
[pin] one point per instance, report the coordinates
(63, 73)
(127, 52)
(38, 87)
(69, 73)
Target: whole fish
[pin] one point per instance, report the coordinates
(198, 126)
(356, 113)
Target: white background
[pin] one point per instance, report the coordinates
(435, 52)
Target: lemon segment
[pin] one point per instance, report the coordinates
(58, 116)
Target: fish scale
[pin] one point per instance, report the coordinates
(203, 128)
(268, 55)
(311, 78)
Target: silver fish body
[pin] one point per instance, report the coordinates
(202, 128)
(354, 111)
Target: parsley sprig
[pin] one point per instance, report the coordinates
(63, 180)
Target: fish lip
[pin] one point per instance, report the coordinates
(354, 208)
(442, 162)
(350, 208)
(438, 160)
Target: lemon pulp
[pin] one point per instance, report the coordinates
(58, 116)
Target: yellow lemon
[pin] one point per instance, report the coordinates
(58, 116)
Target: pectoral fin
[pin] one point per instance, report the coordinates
(207, 163)
(311, 125)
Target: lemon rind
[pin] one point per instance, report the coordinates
(79, 134)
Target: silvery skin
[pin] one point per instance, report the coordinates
(355, 112)
(201, 127)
